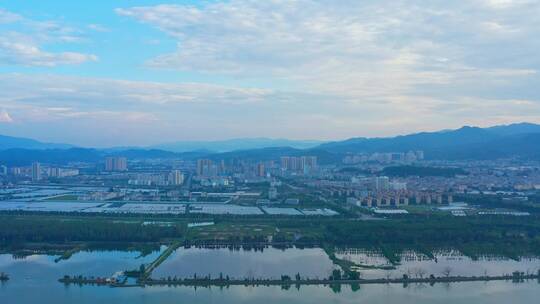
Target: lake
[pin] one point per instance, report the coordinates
(34, 280)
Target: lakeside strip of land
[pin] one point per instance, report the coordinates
(515, 277)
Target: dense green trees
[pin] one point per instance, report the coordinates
(37, 229)
(510, 236)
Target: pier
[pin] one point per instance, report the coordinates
(160, 259)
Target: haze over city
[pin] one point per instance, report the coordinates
(113, 73)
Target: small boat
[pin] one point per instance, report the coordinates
(3, 277)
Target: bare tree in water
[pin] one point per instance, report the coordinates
(420, 273)
(446, 271)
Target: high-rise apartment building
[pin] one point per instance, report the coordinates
(285, 162)
(176, 178)
(309, 162)
(382, 183)
(54, 172)
(115, 164)
(206, 167)
(298, 163)
(36, 171)
(260, 170)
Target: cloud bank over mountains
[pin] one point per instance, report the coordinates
(293, 69)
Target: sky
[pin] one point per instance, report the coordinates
(116, 73)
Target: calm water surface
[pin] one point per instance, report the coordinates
(412, 262)
(242, 263)
(34, 280)
(35, 271)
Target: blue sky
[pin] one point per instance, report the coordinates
(106, 73)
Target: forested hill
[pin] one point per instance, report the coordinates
(518, 140)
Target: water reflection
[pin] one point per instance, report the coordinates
(443, 263)
(44, 269)
(34, 281)
(243, 263)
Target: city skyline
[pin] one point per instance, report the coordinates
(149, 72)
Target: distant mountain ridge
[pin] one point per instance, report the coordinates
(516, 140)
(229, 145)
(513, 129)
(10, 142)
(519, 140)
(220, 146)
(24, 157)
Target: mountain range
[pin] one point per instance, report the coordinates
(520, 140)
(9, 142)
(236, 144)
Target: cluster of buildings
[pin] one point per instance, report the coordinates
(116, 164)
(362, 184)
(378, 191)
(254, 171)
(62, 172)
(390, 157)
(207, 167)
(379, 183)
(37, 172)
(173, 178)
(361, 181)
(400, 198)
(298, 164)
(482, 178)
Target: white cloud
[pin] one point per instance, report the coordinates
(359, 48)
(142, 112)
(318, 69)
(25, 45)
(8, 17)
(98, 28)
(4, 117)
(110, 92)
(147, 112)
(25, 53)
(504, 4)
